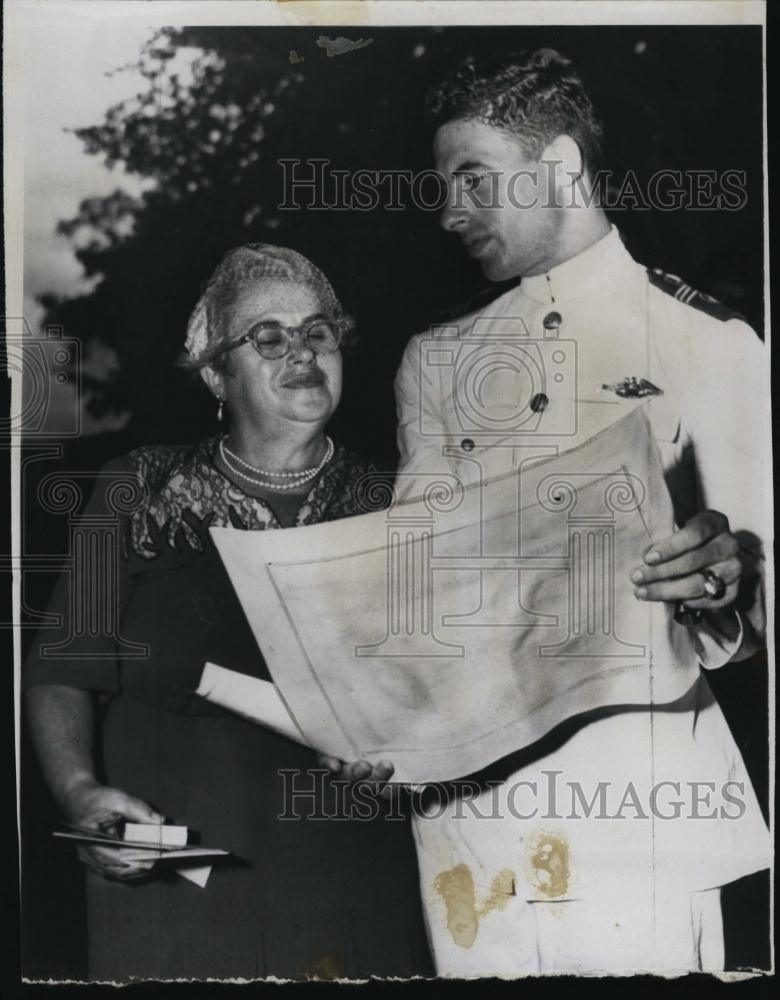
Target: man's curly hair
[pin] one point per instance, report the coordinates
(534, 96)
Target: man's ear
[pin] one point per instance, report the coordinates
(565, 165)
(214, 380)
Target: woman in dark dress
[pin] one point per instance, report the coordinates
(124, 737)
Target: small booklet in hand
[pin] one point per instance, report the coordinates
(144, 842)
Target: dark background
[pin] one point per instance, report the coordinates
(671, 98)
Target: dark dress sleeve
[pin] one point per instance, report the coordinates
(79, 647)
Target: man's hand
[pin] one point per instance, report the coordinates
(98, 807)
(361, 770)
(673, 567)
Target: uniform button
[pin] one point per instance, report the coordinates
(539, 402)
(552, 321)
(467, 444)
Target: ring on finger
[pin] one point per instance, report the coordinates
(714, 584)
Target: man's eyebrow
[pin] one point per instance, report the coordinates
(468, 165)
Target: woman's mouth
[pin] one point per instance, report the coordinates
(306, 380)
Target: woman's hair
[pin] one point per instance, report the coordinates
(207, 334)
(534, 96)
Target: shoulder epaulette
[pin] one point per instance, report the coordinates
(677, 288)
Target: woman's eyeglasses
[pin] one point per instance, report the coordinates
(273, 340)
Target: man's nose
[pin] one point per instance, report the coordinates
(454, 215)
(452, 220)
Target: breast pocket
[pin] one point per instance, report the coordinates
(474, 459)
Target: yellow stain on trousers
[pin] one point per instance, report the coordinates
(457, 890)
(549, 862)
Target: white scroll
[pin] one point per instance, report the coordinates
(449, 630)
(249, 697)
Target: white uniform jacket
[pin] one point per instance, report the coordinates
(497, 870)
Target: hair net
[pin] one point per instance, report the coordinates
(238, 268)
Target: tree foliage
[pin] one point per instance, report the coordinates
(208, 133)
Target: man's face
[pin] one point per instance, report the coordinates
(499, 201)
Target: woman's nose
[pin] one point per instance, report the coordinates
(299, 349)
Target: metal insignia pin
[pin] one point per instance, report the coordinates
(631, 387)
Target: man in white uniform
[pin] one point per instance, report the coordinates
(531, 876)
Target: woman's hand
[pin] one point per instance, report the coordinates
(361, 770)
(674, 567)
(101, 808)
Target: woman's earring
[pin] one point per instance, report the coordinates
(220, 409)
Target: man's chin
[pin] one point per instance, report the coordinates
(497, 270)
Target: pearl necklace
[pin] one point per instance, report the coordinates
(265, 479)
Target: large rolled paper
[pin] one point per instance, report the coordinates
(249, 697)
(454, 628)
